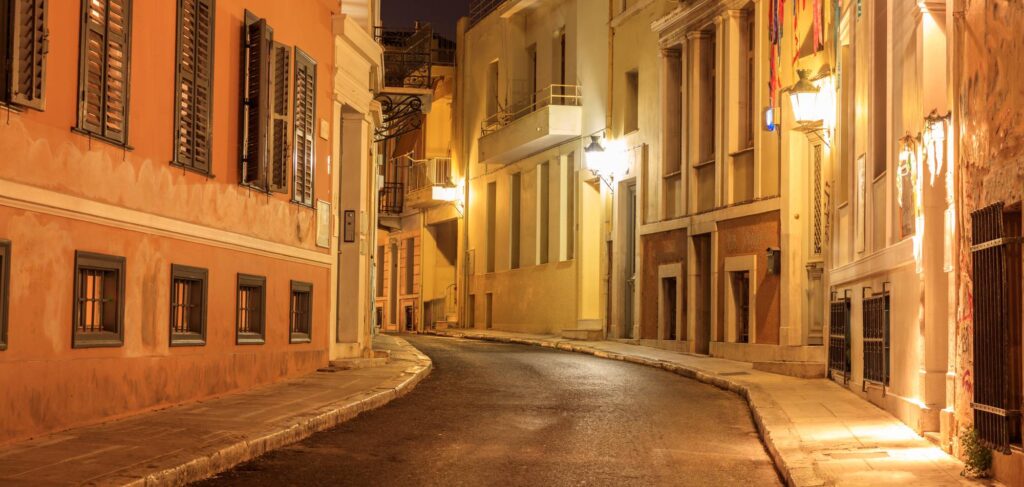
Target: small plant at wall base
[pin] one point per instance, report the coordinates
(977, 458)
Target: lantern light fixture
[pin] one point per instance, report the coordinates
(804, 97)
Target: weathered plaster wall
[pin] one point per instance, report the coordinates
(659, 249)
(49, 386)
(752, 235)
(991, 166)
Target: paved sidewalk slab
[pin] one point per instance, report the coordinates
(817, 432)
(181, 444)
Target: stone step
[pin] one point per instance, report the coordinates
(585, 335)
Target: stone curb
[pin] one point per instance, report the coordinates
(777, 432)
(209, 463)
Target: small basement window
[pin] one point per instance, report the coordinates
(188, 305)
(98, 319)
(251, 315)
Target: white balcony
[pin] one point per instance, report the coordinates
(553, 116)
(430, 183)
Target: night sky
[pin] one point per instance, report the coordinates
(442, 14)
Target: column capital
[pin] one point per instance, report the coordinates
(697, 35)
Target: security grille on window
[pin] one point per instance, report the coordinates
(305, 128)
(251, 313)
(5, 280)
(301, 312)
(839, 337)
(104, 69)
(99, 301)
(24, 39)
(188, 305)
(996, 260)
(193, 118)
(876, 338)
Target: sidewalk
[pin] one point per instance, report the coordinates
(816, 432)
(185, 443)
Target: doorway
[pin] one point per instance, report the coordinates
(702, 331)
(629, 304)
(410, 319)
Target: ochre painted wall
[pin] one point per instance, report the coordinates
(47, 385)
(752, 235)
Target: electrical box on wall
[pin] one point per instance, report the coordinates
(774, 261)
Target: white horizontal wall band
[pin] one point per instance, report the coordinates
(31, 198)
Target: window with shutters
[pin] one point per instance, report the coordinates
(257, 40)
(252, 309)
(194, 85)
(301, 312)
(188, 305)
(305, 129)
(5, 280)
(24, 39)
(103, 77)
(98, 318)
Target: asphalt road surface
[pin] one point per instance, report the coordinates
(499, 414)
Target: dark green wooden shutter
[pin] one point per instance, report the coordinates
(256, 84)
(279, 150)
(193, 127)
(305, 128)
(29, 46)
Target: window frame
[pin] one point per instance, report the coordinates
(176, 339)
(301, 59)
(105, 263)
(5, 286)
(79, 112)
(250, 338)
(293, 336)
(179, 39)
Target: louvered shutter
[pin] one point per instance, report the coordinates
(195, 83)
(30, 43)
(103, 96)
(279, 152)
(305, 130)
(255, 107)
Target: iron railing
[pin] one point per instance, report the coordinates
(407, 56)
(564, 95)
(839, 337)
(429, 173)
(478, 9)
(392, 198)
(996, 259)
(876, 337)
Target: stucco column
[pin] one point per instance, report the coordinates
(353, 170)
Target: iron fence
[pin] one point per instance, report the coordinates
(839, 337)
(876, 338)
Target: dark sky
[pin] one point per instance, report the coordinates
(442, 14)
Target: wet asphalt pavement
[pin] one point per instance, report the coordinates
(500, 414)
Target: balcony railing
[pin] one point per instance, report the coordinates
(563, 95)
(407, 56)
(392, 198)
(430, 173)
(478, 9)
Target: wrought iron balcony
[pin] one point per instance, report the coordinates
(428, 182)
(561, 95)
(392, 198)
(407, 56)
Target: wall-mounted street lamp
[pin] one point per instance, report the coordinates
(804, 97)
(607, 159)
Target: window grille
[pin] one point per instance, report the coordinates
(839, 337)
(301, 312)
(996, 259)
(251, 309)
(98, 317)
(188, 305)
(876, 337)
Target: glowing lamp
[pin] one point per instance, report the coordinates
(804, 97)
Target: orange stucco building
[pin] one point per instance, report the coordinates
(103, 190)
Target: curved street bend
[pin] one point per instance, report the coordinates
(503, 414)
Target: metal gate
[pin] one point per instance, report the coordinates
(839, 337)
(996, 257)
(876, 338)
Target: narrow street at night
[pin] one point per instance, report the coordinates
(499, 414)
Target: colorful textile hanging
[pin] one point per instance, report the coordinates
(776, 13)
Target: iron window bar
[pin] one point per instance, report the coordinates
(876, 337)
(839, 336)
